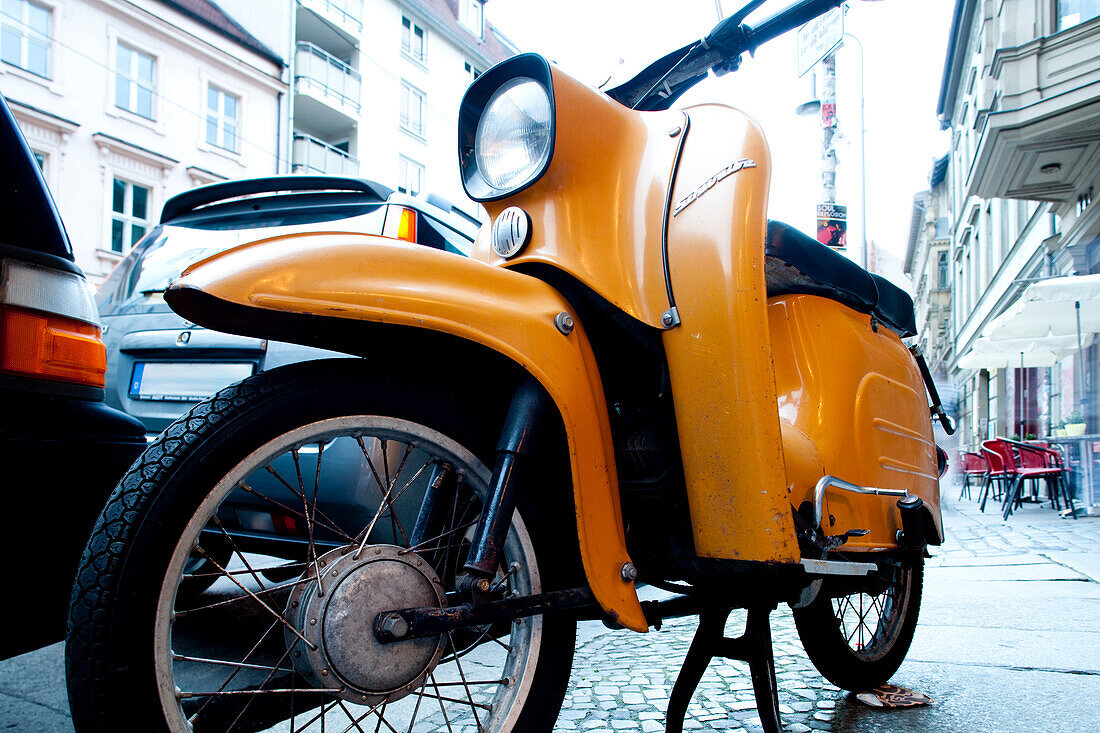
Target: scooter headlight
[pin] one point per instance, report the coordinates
(512, 142)
(506, 128)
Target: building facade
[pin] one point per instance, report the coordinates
(126, 103)
(376, 84)
(1021, 95)
(928, 265)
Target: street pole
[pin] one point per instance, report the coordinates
(862, 157)
(828, 125)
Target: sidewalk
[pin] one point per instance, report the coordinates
(1008, 642)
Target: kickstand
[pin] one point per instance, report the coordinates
(754, 647)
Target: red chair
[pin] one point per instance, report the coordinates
(1000, 472)
(974, 468)
(1030, 462)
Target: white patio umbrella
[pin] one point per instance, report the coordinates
(987, 353)
(1049, 308)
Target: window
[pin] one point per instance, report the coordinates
(410, 176)
(412, 40)
(1075, 12)
(129, 214)
(412, 110)
(222, 118)
(470, 13)
(25, 36)
(941, 270)
(134, 81)
(472, 73)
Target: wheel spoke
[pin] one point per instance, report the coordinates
(232, 678)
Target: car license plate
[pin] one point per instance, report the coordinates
(184, 381)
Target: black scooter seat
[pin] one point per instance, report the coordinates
(795, 263)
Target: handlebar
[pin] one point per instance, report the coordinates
(661, 83)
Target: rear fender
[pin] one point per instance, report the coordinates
(370, 279)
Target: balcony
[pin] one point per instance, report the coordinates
(326, 89)
(310, 155)
(1041, 140)
(344, 15)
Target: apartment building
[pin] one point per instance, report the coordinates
(1021, 95)
(376, 84)
(128, 102)
(928, 265)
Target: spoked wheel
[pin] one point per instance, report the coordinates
(316, 483)
(858, 641)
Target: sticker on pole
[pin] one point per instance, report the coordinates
(819, 38)
(832, 226)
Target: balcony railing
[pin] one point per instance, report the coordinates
(310, 155)
(327, 76)
(344, 12)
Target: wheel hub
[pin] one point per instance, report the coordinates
(336, 616)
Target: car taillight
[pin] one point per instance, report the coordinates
(49, 325)
(400, 224)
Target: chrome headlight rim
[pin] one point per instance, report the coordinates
(529, 66)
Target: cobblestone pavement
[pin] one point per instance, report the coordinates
(621, 682)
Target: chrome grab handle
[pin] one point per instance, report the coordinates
(830, 482)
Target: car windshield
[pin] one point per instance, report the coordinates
(138, 282)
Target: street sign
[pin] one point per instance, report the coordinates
(819, 38)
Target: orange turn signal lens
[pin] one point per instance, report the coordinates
(51, 347)
(400, 224)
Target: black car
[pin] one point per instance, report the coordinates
(63, 449)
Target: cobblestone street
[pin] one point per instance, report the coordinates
(1007, 634)
(621, 681)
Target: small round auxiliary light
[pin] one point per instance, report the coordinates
(511, 232)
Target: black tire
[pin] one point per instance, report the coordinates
(858, 641)
(125, 609)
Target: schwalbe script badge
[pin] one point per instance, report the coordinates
(708, 184)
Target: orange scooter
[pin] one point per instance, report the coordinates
(634, 378)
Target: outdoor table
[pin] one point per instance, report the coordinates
(1085, 447)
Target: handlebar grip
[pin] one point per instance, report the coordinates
(789, 18)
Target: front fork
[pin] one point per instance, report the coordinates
(514, 450)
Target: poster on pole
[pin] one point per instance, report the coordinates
(832, 226)
(819, 38)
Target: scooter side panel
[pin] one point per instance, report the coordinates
(720, 356)
(856, 392)
(380, 280)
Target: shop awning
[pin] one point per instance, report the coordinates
(987, 353)
(1049, 308)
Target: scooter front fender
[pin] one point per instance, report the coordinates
(371, 279)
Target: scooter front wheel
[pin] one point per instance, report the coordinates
(858, 641)
(315, 476)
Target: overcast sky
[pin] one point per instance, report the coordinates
(904, 40)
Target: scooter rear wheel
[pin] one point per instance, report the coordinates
(258, 467)
(858, 641)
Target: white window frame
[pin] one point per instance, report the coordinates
(127, 216)
(118, 76)
(471, 13)
(408, 93)
(472, 72)
(407, 48)
(404, 167)
(26, 35)
(220, 118)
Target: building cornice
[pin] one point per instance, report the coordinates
(194, 43)
(957, 42)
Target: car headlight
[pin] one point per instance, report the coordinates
(506, 128)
